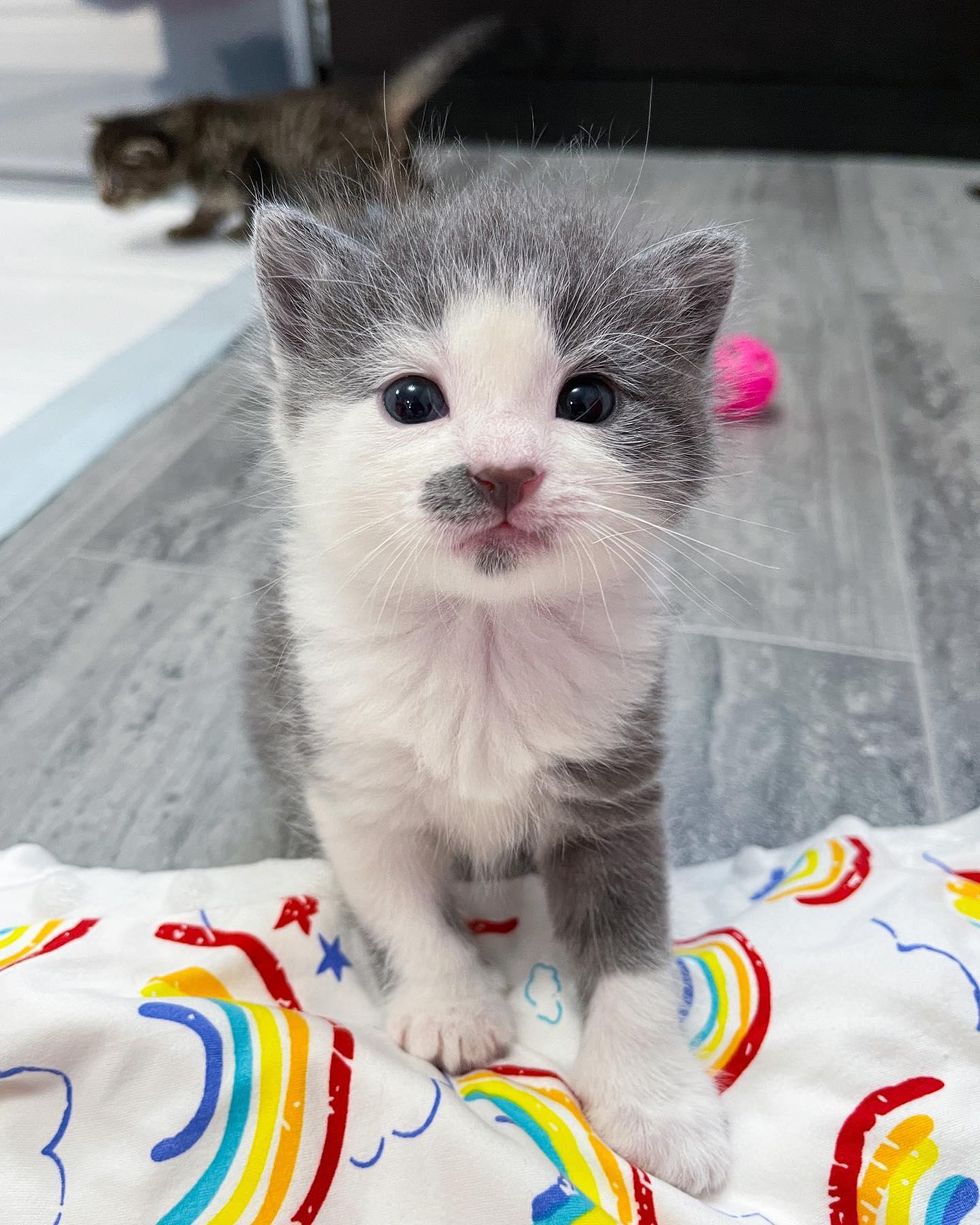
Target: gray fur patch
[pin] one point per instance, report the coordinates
(453, 496)
(607, 881)
(496, 559)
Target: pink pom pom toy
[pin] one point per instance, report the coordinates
(746, 374)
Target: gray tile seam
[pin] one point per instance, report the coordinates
(761, 638)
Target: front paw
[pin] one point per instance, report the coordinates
(456, 1026)
(190, 232)
(668, 1121)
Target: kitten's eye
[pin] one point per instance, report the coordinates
(413, 400)
(587, 399)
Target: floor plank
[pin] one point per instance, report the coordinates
(121, 720)
(926, 362)
(911, 225)
(211, 507)
(769, 743)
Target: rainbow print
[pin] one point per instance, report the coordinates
(725, 998)
(891, 1183)
(261, 1054)
(963, 888)
(594, 1186)
(20, 944)
(822, 876)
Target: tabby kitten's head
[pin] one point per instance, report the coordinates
(133, 159)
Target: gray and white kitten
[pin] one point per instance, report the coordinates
(482, 399)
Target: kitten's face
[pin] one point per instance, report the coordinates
(132, 161)
(490, 403)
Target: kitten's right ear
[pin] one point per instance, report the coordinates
(296, 259)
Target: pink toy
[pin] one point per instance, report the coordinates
(746, 374)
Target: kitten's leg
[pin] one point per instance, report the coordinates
(444, 1004)
(643, 1089)
(206, 217)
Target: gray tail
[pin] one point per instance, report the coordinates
(421, 77)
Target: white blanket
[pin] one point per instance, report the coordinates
(166, 1053)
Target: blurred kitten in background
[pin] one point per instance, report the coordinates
(235, 151)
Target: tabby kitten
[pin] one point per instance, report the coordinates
(235, 151)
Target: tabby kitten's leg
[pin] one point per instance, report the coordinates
(201, 225)
(641, 1086)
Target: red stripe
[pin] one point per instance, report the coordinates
(58, 941)
(852, 881)
(267, 965)
(340, 1071)
(516, 1069)
(646, 1211)
(495, 927)
(849, 1150)
(974, 876)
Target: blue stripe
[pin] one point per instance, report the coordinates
(951, 1201)
(188, 1136)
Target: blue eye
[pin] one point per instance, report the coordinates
(587, 399)
(413, 400)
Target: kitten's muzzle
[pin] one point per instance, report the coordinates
(506, 488)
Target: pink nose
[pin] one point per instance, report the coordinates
(506, 487)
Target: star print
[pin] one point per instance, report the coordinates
(333, 958)
(298, 910)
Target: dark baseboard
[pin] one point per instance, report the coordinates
(940, 121)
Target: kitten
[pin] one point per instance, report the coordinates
(461, 660)
(234, 151)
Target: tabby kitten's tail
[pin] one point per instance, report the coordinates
(422, 76)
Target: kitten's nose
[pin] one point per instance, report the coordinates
(505, 487)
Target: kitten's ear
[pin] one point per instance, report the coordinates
(142, 151)
(296, 260)
(696, 273)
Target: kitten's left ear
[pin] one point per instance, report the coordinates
(144, 151)
(696, 273)
(299, 264)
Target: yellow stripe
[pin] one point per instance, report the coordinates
(836, 863)
(809, 865)
(607, 1158)
(901, 1185)
(721, 1021)
(890, 1153)
(292, 1119)
(744, 1006)
(967, 894)
(577, 1169)
(42, 935)
(14, 934)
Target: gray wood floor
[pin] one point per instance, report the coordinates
(835, 669)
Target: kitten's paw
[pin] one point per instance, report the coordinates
(671, 1126)
(190, 232)
(457, 1027)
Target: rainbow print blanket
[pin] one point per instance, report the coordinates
(202, 1048)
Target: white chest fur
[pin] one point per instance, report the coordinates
(465, 706)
